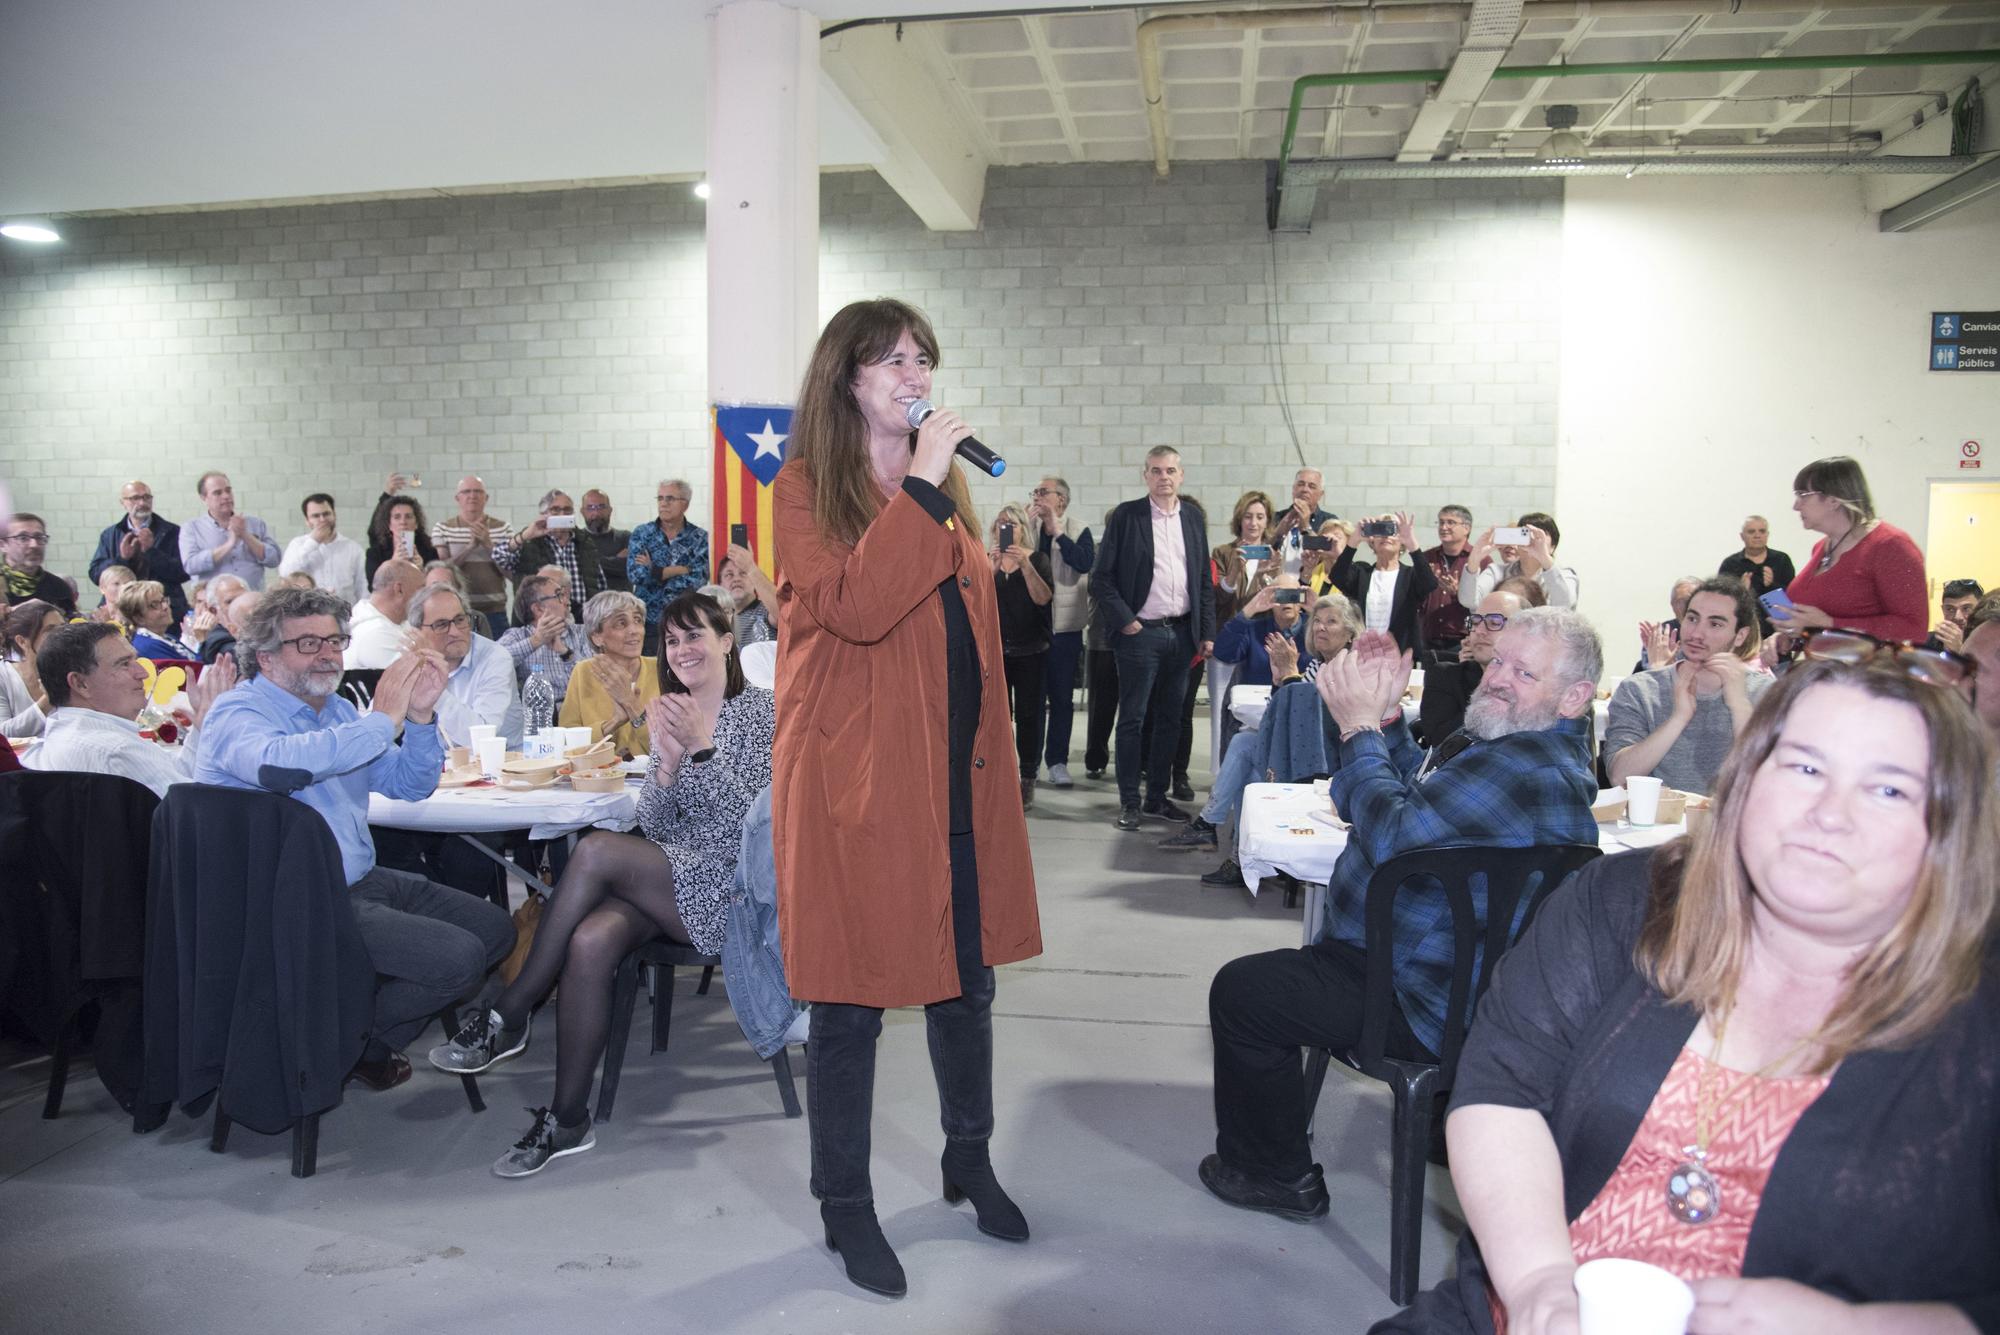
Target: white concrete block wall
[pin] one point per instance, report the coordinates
(557, 339)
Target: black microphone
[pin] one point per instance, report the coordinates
(969, 449)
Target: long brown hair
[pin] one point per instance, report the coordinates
(829, 437)
(1697, 931)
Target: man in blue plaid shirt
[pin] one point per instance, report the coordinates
(1517, 775)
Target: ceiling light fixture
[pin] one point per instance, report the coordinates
(1564, 147)
(29, 229)
(701, 189)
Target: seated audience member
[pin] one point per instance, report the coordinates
(555, 539)
(609, 693)
(712, 738)
(1982, 648)
(1660, 641)
(1334, 625)
(1243, 641)
(446, 575)
(1763, 1057)
(109, 582)
(397, 532)
(143, 607)
(754, 596)
(377, 634)
(298, 579)
(1955, 606)
(23, 702)
(286, 730)
(334, 561)
(1448, 687)
(1391, 595)
(1022, 586)
(96, 691)
(479, 674)
(543, 638)
(218, 633)
(1518, 776)
(22, 575)
(1678, 722)
(1865, 574)
(1536, 561)
(1760, 566)
(1442, 617)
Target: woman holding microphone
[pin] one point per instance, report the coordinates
(901, 847)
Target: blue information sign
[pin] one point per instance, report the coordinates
(1965, 340)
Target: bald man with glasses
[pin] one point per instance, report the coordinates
(146, 545)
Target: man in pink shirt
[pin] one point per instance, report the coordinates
(1155, 594)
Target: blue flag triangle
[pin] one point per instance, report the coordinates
(758, 434)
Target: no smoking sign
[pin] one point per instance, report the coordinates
(1969, 454)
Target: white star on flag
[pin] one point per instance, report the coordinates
(768, 440)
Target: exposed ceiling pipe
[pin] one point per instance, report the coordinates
(1768, 164)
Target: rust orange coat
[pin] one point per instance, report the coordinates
(859, 794)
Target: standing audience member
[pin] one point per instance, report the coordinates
(1955, 607)
(377, 635)
(286, 730)
(334, 560)
(1761, 567)
(1678, 722)
(1067, 546)
(1021, 589)
(543, 638)
(1865, 574)
(1197, 672)
(613, 544)
(97, 689)
(554, 539)
(1443, 618)
(1520, 778)
(610, 694)
(479, 675)
(1152, 584)
(146, 614)
(1660, 641)
(1315, 563)
(1536, 560)
(396, 531)
(1448, 687)
(753, 597)
(669, 556)
(145, 544)
(467, 540)
(27, 546)
(674, 879)
(1101, 666)
(221, 541)
(23, 700)
(1304, 514)
(1391, 595)
(901, 849)
(1982, 647)
(444, 574)
(1237, 579)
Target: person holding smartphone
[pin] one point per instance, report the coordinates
(1391, 595)
(398, 532)
(1245, 564)
(1526, 549)
(1021, 584)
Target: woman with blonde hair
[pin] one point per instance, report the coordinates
(148, 618)
(1864, 574)
(1765, 1057)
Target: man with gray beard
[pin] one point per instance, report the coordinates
(284, 730)
(1517, 774)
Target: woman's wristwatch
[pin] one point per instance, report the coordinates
(701, 757)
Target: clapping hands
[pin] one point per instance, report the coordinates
(218, 677)
(1361, 688)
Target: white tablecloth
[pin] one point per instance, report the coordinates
(545, 813)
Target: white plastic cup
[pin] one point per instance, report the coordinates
(1620, 1297)
(580, 737)
(492, 755)
(1642, 799)
(481, 732)
(1417, 684)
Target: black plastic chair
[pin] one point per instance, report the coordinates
(664, 957)
(1517, 880)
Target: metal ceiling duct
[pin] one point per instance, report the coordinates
(1324, 172)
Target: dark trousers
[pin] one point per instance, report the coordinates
(1103, 709)
(1065, 651)
(1185, 751)
(445, 859)
(1025, 691)
(840, 1059)
(430, 945)
(1152, 675)
(1262, 1010)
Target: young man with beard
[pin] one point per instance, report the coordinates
(1678, 722)
(1517, 776)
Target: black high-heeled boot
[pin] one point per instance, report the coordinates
(968, 1172)
(852, 1230)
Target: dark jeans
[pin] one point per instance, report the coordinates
(1065, 650)
(840, 1059)
(1185, 751)
(1152, 674)
(1103, 709)
(430, 944)
(1025, 673)
(1262, 1010)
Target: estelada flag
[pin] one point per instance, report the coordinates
(749, 450)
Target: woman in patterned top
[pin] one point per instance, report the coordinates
(711, 736)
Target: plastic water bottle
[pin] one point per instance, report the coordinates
(538, 701)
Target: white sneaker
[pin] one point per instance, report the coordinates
(1059, 777)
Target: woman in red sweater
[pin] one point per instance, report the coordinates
(1865, 574)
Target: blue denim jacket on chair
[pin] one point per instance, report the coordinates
(753, 966)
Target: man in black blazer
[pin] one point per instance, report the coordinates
(1411, 583)
(1154, 592)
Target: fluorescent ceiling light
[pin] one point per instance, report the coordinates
(29, 229)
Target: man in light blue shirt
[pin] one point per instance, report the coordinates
(284, 730)
(223, 542)
(479, 681)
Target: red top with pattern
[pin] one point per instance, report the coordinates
(1630, 1218)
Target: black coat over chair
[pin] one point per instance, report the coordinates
(1516, 881)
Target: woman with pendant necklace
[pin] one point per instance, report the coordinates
(1765, 1057)
(1865, 574)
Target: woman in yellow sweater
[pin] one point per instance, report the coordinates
(609, 692)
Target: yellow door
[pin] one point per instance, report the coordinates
(1964, 535)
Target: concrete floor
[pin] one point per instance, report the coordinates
(692, 1212)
